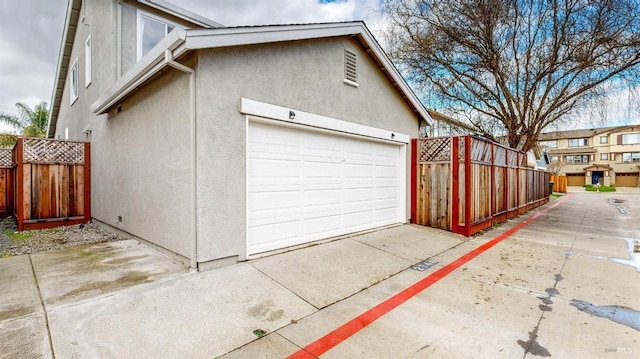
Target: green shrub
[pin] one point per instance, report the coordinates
(588, 186)
(591, 188)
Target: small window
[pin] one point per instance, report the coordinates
(604, 156)
(604, 139)
(350, 68)
(578, 142)
(73, 81)
(151, 30)
(87, 62)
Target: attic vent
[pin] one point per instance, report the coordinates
(350, 68)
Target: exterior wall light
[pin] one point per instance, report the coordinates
(292, 115)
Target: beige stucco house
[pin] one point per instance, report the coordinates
(605, 156)
(217, 144)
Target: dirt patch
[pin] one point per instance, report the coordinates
(14, 243)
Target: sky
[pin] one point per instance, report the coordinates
(31, 32)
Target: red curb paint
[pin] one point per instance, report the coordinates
(353, 326)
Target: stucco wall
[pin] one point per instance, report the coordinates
(140, 164)
(307, 76)
(99, 22)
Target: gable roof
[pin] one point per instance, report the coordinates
(560, 135)
(69, 33)
(180, 41)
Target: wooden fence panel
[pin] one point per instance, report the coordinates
(49, 183)
(434, 197)
(466, 184)
(559, 183)
(500, 197)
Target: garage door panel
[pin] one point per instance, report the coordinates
(271, 200)
(343, 185)
(275, 168)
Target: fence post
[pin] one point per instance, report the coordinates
(19, 183)
(493, 182)
(87, 182)
(414, 179)
(455, 185)
(467, 186)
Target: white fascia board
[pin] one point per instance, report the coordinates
(280, 113)
(204, 38)
(397, 77)
(64, 56)
(181, 13)
(149, 65)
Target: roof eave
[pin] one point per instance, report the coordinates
(237, 36)
(181, 13)
(195, 39)
(149, 65)
(69, 33)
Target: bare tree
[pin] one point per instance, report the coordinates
(514, 66)
(555, 167)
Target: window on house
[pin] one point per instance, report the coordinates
(577, 159)
(604, 156)
(604, 139)
(630, 138)
(87, 62)
(631, 157)
(578, 142)
(549, 144)
(350, 68)
(151, 30)
(73, 81)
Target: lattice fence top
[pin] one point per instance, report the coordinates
(40, 150)
(437, 149)
(6, 157)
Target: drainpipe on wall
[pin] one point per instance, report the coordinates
(168, 58)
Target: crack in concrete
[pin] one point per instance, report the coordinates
(44, 307)
(532, 346)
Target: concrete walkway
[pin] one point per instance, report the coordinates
(565, 284)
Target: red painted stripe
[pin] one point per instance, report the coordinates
(353, 326)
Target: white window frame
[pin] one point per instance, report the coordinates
(142, 14)
(604, 139)
(630, 138)
(87, 62)
(73, 82)
(604, 157)
(581, 142)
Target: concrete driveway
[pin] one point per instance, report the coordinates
(563, 284)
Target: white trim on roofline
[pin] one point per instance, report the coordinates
(181, 13)
(148, 66)
(223, 37)
(270, 111)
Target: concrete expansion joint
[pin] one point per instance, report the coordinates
(44, 307)
(287, 289)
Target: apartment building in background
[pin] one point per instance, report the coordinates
(605, 156)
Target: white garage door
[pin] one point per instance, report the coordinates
(305, 185)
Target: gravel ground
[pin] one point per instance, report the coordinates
(26, 242)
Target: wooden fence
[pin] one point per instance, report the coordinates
(466, 184)
(559, 183)
(46, 183)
